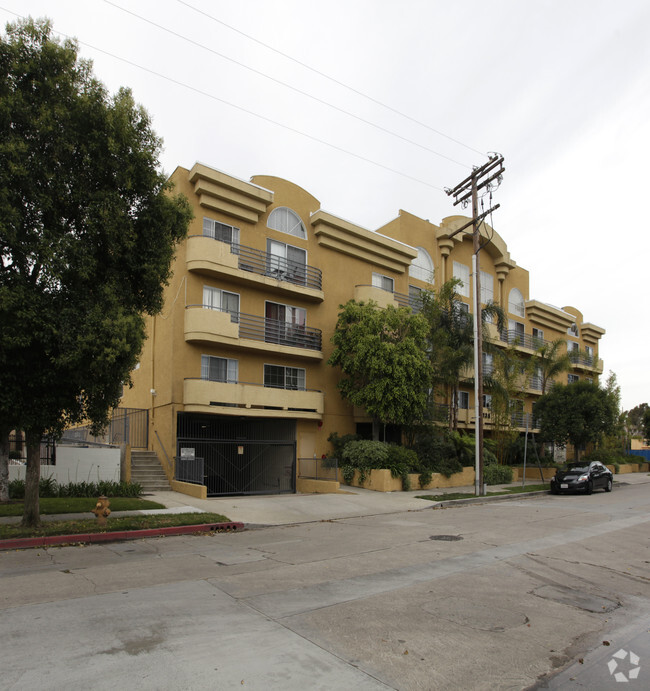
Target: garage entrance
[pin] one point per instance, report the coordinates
(240, 456)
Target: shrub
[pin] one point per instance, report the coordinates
(424, 478)
(348, 473)
(366, 453)
(17, 489)
(495, 474)
(401, 461)
(338, 443)
(436, 454)
(48, 487)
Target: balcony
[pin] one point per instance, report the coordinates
(583, 361)
(383, 298)
(244, 264)
(246, 399)
(521, 340)
(214, 326)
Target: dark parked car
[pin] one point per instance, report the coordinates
(584, 477)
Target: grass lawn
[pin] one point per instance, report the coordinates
(114, 524)
(79, 505)
(467, 495)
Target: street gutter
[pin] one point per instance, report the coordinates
(449, 503)
(79, 538)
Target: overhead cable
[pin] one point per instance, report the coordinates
(332, 79)
(282, 83)
(240, 108)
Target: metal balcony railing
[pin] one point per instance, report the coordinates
(581, 358)
(271, 330)
(280, 332)
(267, 264)
(524, 340)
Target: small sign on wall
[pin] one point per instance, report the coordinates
(240, 450)
(187, 453)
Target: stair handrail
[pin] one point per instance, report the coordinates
(169, 471)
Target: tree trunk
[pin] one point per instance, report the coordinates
(4, 466)
(31, 513)
(375, 429)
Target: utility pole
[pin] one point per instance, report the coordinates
(479, 178)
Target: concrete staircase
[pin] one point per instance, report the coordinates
(147, 471)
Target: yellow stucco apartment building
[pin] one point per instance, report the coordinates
(234, 370)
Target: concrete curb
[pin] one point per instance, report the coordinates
(115, 536)
(444, 504)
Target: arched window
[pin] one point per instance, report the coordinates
(286, 221)
(422, 266)
(516, 303)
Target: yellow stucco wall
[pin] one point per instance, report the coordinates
(347, 256)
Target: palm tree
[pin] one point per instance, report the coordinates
(451, 339)
(551, 360)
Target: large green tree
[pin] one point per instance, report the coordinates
(382, 356)
(88, 226)
(579, 413)
(634, 420)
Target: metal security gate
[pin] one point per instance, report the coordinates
(255, 456)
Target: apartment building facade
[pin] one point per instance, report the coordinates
(234, 370)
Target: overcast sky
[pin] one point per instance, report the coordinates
(561, 88)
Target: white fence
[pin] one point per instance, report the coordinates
(78, 464)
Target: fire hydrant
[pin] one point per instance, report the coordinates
(101, 510)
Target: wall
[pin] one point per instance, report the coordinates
(77, 464)
(383, 481)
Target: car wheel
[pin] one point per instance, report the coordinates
(608, 486)
(590, 487)
(554, 489)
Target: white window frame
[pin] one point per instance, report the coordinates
(285, 220)
(461, 271)
(572, 378)
(538, 334)
(573, 330)
(572, 347)
(589, 351)
(422, 266)
(462, 399)
(516, 326)
(488, 362)
(213, 299)
(516, 303)
(300, 373)
(487, 293)
(384, 282)
(281, 265)
(231, 369)
(212, 228)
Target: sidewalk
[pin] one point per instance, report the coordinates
(281, 509)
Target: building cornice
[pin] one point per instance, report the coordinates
(348, 238)
(547, 315)
(229, 195)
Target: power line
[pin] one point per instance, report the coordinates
(285, 84)
(332, 79)
(240, 108)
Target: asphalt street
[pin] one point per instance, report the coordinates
(541, 592)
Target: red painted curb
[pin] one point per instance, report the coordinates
(49, 540)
